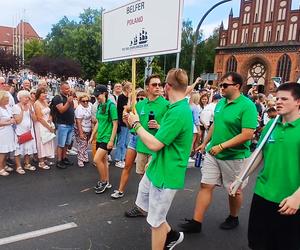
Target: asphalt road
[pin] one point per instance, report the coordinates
(44, 199)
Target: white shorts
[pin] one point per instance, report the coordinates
(221, 172)
(155, 201)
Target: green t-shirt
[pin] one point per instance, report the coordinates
(280, 176)
(159, 106)
(105, 121)
(229, 120)
(168, 165)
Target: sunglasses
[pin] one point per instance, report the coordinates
(140, 99)
(226, 85)
(85, 101)
(156, 84)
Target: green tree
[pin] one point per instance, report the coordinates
(33, 48)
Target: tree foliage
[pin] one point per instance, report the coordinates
(33, 48)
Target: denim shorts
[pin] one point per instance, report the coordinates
(132, 141)
(64, 135)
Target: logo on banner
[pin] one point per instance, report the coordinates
(138, 42)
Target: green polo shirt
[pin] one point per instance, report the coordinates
(105, 125)
(280, 176)
(159, 106)
(229, 120)
(168, 166)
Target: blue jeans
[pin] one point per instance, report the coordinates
(122, 142)
(64, 135)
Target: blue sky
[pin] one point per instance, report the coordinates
(42, 14)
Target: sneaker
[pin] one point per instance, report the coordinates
(102, 186)
(71, 152)
(173, 238)
(230, 223)
(117, 194)
(109, 158)
(61, 165)
(191, 226)
(67, 162)
(134, 212)
(80, 164)
(99, 184)
(120, 164)
(8, 169)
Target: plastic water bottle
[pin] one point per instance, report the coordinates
(198, 160)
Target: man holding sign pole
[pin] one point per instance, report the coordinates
(274, 221)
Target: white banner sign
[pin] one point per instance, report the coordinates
(142, 28)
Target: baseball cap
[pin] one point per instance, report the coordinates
(100, 89)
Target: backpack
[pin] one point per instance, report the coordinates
(53, 110)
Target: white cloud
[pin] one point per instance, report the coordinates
(209, 28)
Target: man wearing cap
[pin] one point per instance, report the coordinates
(228, 145)
(64, 110)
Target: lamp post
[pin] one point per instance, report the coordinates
(196, 38)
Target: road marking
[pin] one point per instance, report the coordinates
(37, 233)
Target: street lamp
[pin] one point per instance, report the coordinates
(196, 37)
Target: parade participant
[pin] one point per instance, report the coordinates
(123, 134)
(63, 108)
(151, 111)
(229, 138)
(130, 156)
(274, 221)
(106, 128)
(166, 171)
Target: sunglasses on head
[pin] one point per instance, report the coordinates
(226, 85)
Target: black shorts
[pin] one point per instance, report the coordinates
(269, 230)
(103, 145)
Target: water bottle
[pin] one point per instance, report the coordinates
(151, 116)
(198, 160)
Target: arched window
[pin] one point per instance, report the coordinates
(231, 64)
(284, 67)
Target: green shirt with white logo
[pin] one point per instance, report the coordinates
(168, 165)
(280, 176)
(105, 120)
(229, 120)
(159, 107)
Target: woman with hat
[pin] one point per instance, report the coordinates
(107, 117)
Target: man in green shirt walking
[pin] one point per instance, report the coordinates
(166, 171)
(274, 221)
(228, 145)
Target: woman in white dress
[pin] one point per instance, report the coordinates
(24, 115)
(44, 121)
(7, 134)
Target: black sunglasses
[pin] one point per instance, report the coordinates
(140, 99)
(85, 101)
(226, 85)
(156, 84)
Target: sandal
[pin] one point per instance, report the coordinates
(8, 169)
(3, 172)
(20, 170)
(29, 167)
(42, 165)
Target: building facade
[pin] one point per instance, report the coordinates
(261, 43)
(12, 38)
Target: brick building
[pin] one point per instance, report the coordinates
(261, 43)
(11, 37)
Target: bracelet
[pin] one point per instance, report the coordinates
(221, 147)
(135, 123)
(137, 127)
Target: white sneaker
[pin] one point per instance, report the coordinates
(71, 152)
(120, 164)
(109, 158)
(117, 194)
